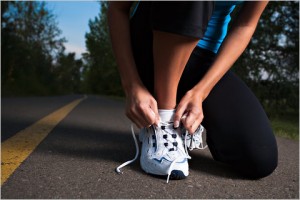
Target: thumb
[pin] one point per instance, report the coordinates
(180, 110)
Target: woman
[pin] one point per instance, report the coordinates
(174, 60)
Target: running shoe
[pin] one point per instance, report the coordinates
(163, 152)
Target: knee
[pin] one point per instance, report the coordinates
(260, 163)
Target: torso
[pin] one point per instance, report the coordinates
(218, 25)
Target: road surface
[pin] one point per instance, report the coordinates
(76, 158)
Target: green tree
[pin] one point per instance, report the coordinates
(30, 41)
(270, 63)
(67, 71)
(100, 74)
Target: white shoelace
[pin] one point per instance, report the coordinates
(178, 158)
(191, 145)
(185, 146)
(118, 169)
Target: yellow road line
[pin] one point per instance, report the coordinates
(17, 148)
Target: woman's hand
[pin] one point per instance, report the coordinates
(189, 111)
(141, 108)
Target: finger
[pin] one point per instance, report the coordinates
(133, 120)
(142, 120)
(195, 125)
(180, 111)
(193, 120)
(190, 119)
(150, 116)
(184, 116)
(136, 118)
(190, 127)
(142, 123)
(184, 121)
(153, 107)
(146, 114)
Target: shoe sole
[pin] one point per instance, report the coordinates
(175, 175)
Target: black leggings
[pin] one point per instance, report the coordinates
(238, 130)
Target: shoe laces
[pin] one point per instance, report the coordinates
(163, 126)
(118, 169)
(195, 140)
(169, 137)
(171, 145)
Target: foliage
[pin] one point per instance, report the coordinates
(270, 64)
(100, 74)
(34, 62)
(67, 71)
(30, 46)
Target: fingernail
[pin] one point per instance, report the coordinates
(176, 124)
(184, 116)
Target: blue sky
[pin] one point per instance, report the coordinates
(72, 18)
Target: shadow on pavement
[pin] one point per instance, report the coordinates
(204, 163)
(118, 147)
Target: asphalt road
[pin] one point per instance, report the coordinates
(78, 158)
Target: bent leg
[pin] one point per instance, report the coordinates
(238, 130)
(171, 53)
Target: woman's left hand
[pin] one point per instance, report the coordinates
(189, 111)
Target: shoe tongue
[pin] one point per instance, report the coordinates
(166, 115)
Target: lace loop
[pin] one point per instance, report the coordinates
(194, 141)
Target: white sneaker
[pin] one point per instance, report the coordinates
(195, 140)
(163, 152)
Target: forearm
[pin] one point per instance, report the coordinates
(118, 21)
(232, 48)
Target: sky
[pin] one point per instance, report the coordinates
(73, 18)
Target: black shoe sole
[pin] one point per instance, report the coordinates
(177, 175)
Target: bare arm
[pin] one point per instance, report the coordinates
(141, 107)
(118, 21)
(232, 47)
(170, 52)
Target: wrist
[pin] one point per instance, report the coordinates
(200, 92)
(132, 87)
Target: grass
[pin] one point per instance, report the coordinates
(287, 127)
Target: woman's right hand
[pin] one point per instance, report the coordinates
(141, 107)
